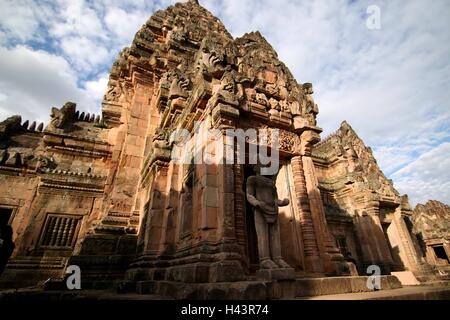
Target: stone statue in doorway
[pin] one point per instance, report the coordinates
(262, 195)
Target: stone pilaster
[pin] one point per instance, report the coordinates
(154, 220)
(373, 241)
(169, 222)
(313, 262)
(407, 250)
(329, 252)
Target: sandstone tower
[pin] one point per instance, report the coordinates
(104, 193)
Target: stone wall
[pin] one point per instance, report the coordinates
(52, 181)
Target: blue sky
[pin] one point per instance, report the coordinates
(392, 84)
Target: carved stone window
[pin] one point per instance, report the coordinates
(60, 231)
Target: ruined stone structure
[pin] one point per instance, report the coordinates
(366, 215)
(104, 192)
(431, 225)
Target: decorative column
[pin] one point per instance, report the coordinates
(313, 262)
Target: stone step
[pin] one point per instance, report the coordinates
(36, 262)
(335, 285)
(406, 293)
(259, 289)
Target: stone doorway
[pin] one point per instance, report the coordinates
(252, 240)
(441, 255)
(7, 245)
(341, 243)
(6, 215)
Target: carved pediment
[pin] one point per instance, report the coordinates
(345, 145)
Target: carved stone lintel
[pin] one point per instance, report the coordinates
(224, 115)
(308, 139)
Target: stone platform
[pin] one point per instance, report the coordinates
(422, 292)
(240, 290)
(284, 288)
(426, 292)
(276, 274)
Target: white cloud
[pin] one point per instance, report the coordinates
(77, 18)
(33, 81)
(124, 25)
(79, 41)
(18, 19)
(427, 177)
(97, 88)
(84, 53)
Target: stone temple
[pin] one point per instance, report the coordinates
(105, 193)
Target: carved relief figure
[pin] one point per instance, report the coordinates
(118, 91)
(161, 139)
(284, 106)
(179, 87)
(274, 106)
(61, 116)
(262, 195)
(310, 107)
(230, 90)
(113, 93)
(211, 59)
(295, 109)
(262, 99)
